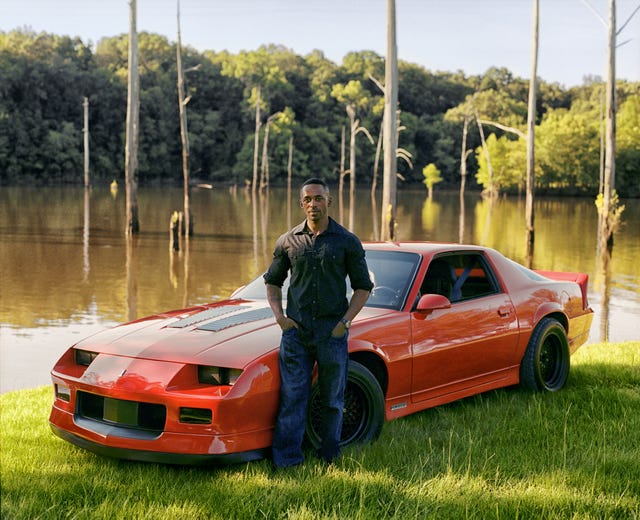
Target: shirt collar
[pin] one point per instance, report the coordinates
(303, 229)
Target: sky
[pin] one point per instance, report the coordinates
(440, 35)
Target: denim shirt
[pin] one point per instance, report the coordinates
(319, 265)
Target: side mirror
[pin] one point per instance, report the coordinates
(431, 302)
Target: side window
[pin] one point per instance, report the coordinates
(459, 277)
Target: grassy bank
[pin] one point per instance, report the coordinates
(504, 454)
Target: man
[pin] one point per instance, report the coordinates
(320, 254)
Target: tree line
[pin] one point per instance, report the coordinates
(307, 102)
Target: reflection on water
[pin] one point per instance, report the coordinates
(68, 270)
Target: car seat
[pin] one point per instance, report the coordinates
(438, 279)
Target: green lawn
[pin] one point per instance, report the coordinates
(505, 454)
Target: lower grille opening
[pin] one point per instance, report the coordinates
(128, 415)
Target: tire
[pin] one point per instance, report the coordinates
(545, 365)
(363, 409)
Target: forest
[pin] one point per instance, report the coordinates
(305, 100)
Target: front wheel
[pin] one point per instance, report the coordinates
(363, 409)
(545, 365)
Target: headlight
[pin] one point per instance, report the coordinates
(85, 357)
(218, 375)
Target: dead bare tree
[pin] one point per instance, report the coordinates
(491, 191)
(85, 131)
(609, 210)
(289, 175)
(341, 175)
(355, 130)
(464, 153)
(184, 135)
(256, 142)
(133, 116)
(389, 187)
(264, 169)
(531, 124)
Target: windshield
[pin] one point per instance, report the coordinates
(392, 273)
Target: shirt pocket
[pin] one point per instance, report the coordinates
(300, 258)
(334, 257)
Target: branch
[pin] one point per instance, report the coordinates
(604, 22)
(377, 83)
(624, 42)
(628, 20)
(405, 155)
(519, 133)
(363, 129)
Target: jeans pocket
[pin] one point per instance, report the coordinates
(342, 336)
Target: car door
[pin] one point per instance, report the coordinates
(469, 344)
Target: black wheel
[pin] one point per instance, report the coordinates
(363, 409)
(545, 365)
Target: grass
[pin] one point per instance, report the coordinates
(504, 454)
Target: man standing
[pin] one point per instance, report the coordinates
(320, 254)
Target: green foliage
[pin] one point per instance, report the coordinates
(43, 79)
(615, 210)
(508, 163)
(628, 150)
(502, 454)
(568, 150)
(431, 175)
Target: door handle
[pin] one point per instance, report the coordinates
(504, 310)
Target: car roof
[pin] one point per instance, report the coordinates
(422, 248)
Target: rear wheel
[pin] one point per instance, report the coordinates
(363, 409)
(545, 365)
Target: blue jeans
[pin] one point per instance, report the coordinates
(296, 360)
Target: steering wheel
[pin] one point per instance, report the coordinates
(384, 294)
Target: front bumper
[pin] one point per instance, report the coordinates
(191, 459)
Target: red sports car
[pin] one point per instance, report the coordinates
(444, 321)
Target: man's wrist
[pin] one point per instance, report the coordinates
(346, 323)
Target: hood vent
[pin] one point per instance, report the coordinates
(238, 319)
(206, 315)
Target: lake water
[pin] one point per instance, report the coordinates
(68, 271)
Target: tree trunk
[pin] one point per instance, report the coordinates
(376, 161)
(463, 157)
(133, 116)
(606, 232)
(388, 209)
(289, 175)
(184, 135)
(491, 190)
(85, 105)
(256, 142)
(531, 124)
(352, 164)
(264, 168)
(174, 232)
(341, 175)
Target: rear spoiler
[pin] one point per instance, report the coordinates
(582, 279)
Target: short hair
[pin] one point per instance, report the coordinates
(315, 180)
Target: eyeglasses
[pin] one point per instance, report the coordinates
(318, 199)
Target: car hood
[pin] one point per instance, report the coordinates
(229, 333)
